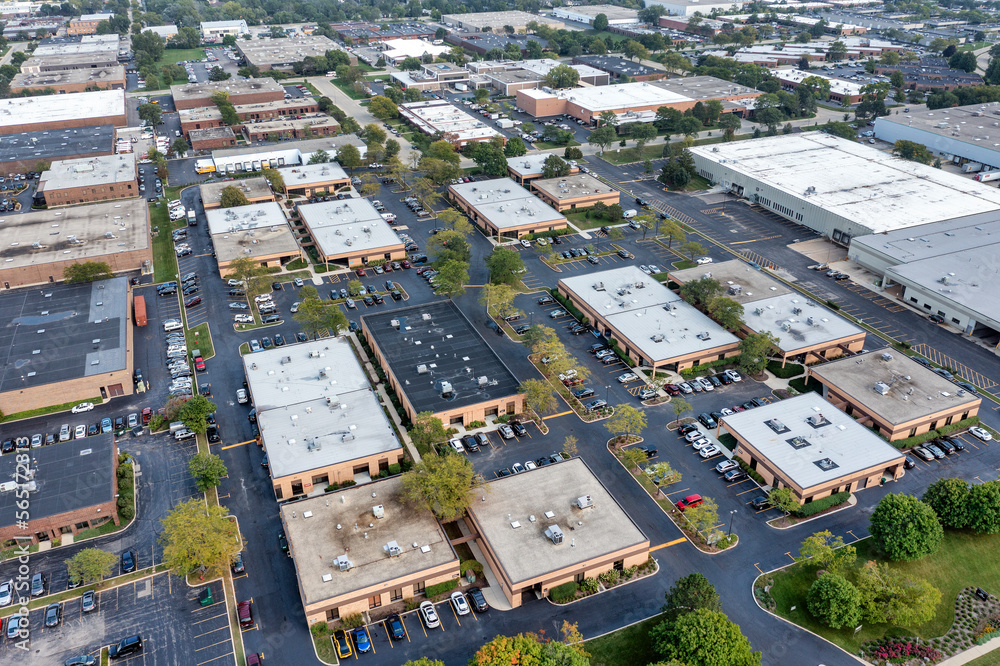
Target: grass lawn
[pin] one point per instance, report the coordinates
(963, 559)
(974, 46)
(31, 413)
(580, 220)
(625, 647)
(542, 145)
(681, 265)
(348, 89)
(200, 338)
(989, 659)
(173, 56)
(164, 255)
(619, 155)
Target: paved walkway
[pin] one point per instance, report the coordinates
(494, 597)
(972, 653)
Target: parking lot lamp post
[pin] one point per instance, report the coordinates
(731, 514)
(607, 394)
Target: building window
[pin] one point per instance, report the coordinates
(947, 421)
(927, 306)
(375, 602)
(933, 425)
(419, 587)
(579, 577)
(619, 565)
(277, 493)
(965, 415)
(913, 432)
(333, 615)
(955, 321)
(396, 595)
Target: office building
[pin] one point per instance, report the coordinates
(501, 207)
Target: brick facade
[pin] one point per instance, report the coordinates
(78, 195)
(210, 139)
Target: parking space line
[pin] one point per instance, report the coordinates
(676, 492)
(747, 491)
(214, 644)
(221, 656)
(212, 631)
(667, 544)
(217, 603)
(552, 416)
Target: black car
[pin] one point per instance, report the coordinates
(522, 329)
(369, 301)
(120, 423)
(265, 342)
(594, 348)
(922, 361)
(378, 299)
(686, 428)
(126, 647)
(936, 318)
(650, 451)
(301, 337)
(238, 566)
(282, 542)
(128, 561)
(956, 442)
(945, 445)
(707, 420)
(279, 340)
(909, 463)
(478, 600)
(518, 429)
(193, 289)
(760, 503)
(275, 286)
(213, 434)
(396, 295)
(396, 627)
(270, 319)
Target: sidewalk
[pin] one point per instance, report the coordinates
(971, 653)
(494, 597)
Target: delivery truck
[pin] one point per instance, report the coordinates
(987, 176)
(139, 310)
(192, 218)
(505, 123)
(971, 167)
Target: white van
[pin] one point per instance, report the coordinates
(173, 325)
(630, 213)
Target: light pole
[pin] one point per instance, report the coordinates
(731, 514)
(607, 393)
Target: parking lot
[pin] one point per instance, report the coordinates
(175, 629)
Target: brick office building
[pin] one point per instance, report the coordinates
(210, 116)
(579, 191)
(86, 24)
(72, 486)
(291, 128)
(241, 91)
(89, 180)
(211, 138)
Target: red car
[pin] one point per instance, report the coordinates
(404, 263)
(147, 415)
(672, 389)
(245, 613)
(687, 502)
(361, 272)
(199, 364)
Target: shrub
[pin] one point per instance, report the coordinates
(318, 629)
(475, 565)
(394, 469)
(332, 487)
(564, 592)
(348, 483)
(752, 473)
(802, 386)
(812, 508)
(125, 484)
(125, 471)
(352, 621)
(440, 588)
(476, 424)
(590, 585)
(728, 441)
(126, 513)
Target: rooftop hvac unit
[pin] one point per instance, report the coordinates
(881, 388)
(483, 380)
(656, 338)
(392, 549)
(422, 369)
(584, 502)
(810, 321)
(886, 356)
(378, 511)
(446, 389)
(704, 335)
(342, 563)
(735, 290)
(555, 534)
(312, 446)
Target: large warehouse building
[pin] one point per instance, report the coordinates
(840, 188)
(959, 134)
(55, 112)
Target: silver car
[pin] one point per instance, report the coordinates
(6, 593)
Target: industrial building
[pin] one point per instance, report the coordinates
(70, 80)
(931, 74)
(482, 43)
(65, 343)
(497, 21)
(363, 549)
(241, 91)
(86, 24)
(364, 32)
(690, 7)
(550, 526)
(20, 152)
(310, 179)
(39, 247)
(959, 134)
(350, 231)
(436, 361)
(501, 207)
(210, 116)
(841, 91)
(256, 189)
(216, 31)
(73, 487)
(283, 52)
(806, 331)
(634, 102)
(432, 76)
(56, 112)
(651, 324)
(321, 423)
(439, 116)
(587, 13)
(89, 180)
(398, 50)
(258, 231)
(570, 192)
(281, 129)
(509, 76)
(527, 168)
(840, 188)
(892, 394)
(255, 158)
(947, 269)
(619, 67)
(212, 138)
(807, 445)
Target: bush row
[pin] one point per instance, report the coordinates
(917, 440)
(752, 473)
(802, 386)
(564, 592)
(812, 508)
(570, 308)
(475, 565)
(440, 588)
(687, 373)
(622, 355)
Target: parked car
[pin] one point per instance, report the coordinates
(725, 466)
(53, 615)
(505, 431)
(734, 475)
(89, 601)
(981, 433)
(396, 628)
(459, 603)
(343, 644)
(760, 503)
(689, 501)
(478, 600)
(362, 640)
(429, 615)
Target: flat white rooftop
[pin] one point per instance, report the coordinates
(505, 204)
(797, 322)
(415, 48)
(348, 226)
(855, 181)
(262, 215)
(60, 108)
(312, 174)
(836, 85)
(935, 239)
(810, 441)
(89, 171)
(967, 278)
(531, 164)
(433, 116)
(654, 319)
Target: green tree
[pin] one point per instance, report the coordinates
(603, 136)
(635, 50)
(950, 500)
(427, 430)
(703, 517)
(383, 108)
(424, 661)
(199, 536)
(528, 649)
(275, 178)
(964, 60)
(207, 470)
(91, 565)
(442, 484)
(195, 413)
(727, 312)
(322, 157)
(505, 266)
(218, 74)
(834, 601)
(498, 298)
(825, 551)
(633, 458)
(232, 196)
(984, 507)
(452, 278)
(349, 157)
(515, 147)
(315, 316)
(784, 499)
(449, 245)
(179, 146)
(688, 594)
(641, 133)
(561, 76)
(554, 167)
(693, 249)
(704, 638)
(754, 350)
(87, 271)
(600, 22)
(372, 133)
(538, 396)
(905, 528)
(701, 291)
(729, 123)
(151, 113)
(910, 150)
(681, 407)
(672, 231)
(626, 421)
(890, 596)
